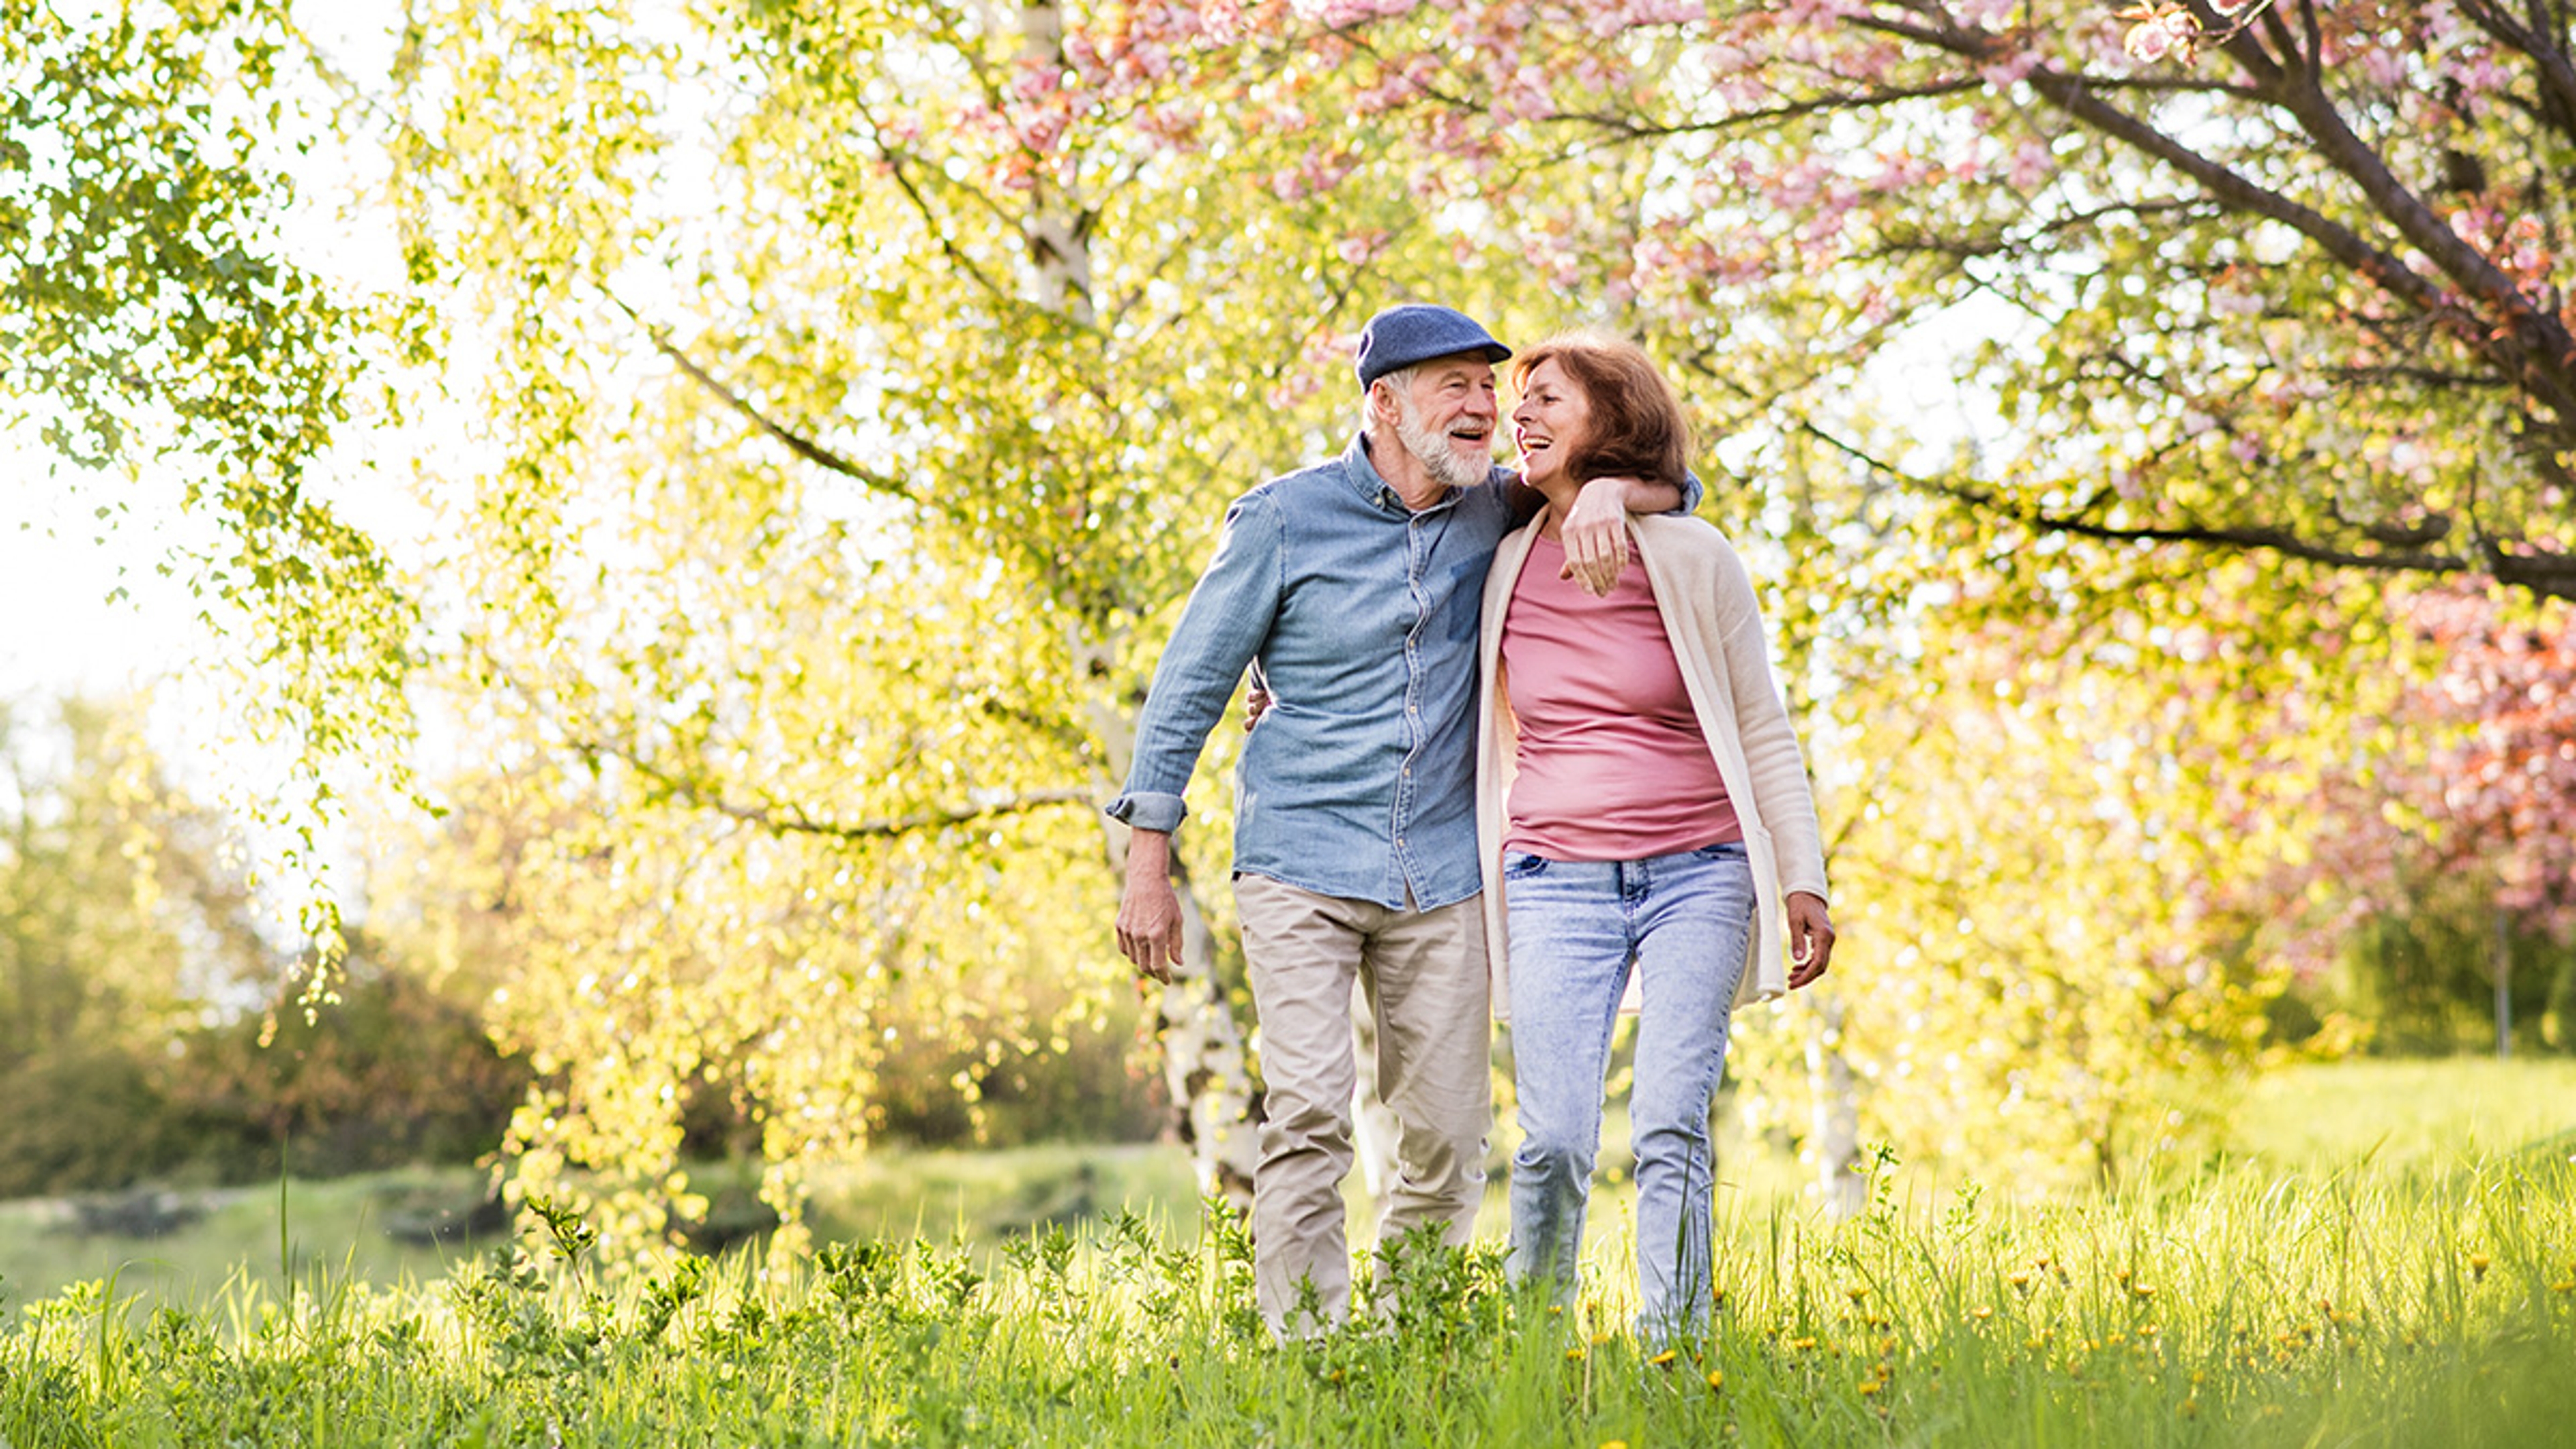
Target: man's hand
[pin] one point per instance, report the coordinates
(1811, 938)
(1149, 914)
(1595, 535)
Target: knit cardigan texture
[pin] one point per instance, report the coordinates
(1715, 625)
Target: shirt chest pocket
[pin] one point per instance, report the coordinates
(1456, 600)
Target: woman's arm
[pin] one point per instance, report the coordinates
(1777, 770)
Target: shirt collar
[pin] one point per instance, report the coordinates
(1372, 486)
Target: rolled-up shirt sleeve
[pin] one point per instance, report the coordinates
(1221, 630)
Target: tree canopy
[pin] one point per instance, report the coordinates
(836, 400)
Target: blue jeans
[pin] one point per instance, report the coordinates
(1684, 922)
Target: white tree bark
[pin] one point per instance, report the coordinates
(1203, 1052)
(1836, 1139)
(1204, 1063)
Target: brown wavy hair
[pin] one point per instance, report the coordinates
(1636, 424)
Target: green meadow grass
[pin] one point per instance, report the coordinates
(2380, 1254)
(2247, 1308)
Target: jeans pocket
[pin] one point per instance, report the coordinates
(1521, 865)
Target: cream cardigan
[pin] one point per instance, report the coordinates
(1706, 598)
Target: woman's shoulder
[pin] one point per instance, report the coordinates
(1686, 538)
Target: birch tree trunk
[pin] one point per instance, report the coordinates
(1837, 1130)
(1203, 1048)
(1204, 1064)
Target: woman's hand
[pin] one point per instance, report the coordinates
(1811, 938)
(1595, 535)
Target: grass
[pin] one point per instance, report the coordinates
(2384, 1255)
(2435, 1310)
(2403, 1113)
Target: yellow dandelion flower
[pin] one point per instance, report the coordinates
(1868, 1387)
(1802, 1344)
(1984, 1312)
(2565, 1285)
(2191, 1408)
(2143, 1290)
(1661, 1359)
(1574, 1355)
(1716, 1380)
(2477, 1265)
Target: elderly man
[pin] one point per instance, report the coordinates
(1355, 585)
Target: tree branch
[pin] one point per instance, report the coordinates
(2540, 350)
(795, 442)
(793, 820)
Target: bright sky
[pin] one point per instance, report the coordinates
(64, 634)
(60, 564)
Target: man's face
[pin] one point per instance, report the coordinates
(1445, 419)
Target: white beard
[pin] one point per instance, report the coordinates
(1433, 452)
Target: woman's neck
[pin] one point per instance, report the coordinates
(1560, 492)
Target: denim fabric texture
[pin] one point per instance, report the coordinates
(1683, 923)
(1360, 781)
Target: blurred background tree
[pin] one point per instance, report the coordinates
(835, 401)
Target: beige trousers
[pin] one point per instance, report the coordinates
(1424, 976)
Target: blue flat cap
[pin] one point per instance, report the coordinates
(1418, 332)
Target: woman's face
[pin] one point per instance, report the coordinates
(1550, 423)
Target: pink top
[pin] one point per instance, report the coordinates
(1612, 763)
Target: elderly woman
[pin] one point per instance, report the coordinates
(1643, 808)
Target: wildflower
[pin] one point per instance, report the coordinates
(1868, 1387)
(2019, 1280)
(2191, 1407)
(2477, 1265)
(2564, 1285)
(1574, 1354)
(1802, 1344)
(1661, 1359)
(2143, 1290)
(1984, 1312)
(1716, 1380)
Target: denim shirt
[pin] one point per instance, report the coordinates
(1360, 781)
